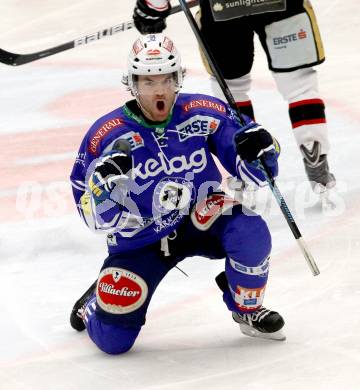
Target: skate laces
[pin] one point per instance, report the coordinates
(255, 317)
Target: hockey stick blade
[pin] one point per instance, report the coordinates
(14, 59)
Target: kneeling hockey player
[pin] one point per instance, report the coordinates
(146, 176)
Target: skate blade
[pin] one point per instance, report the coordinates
(252, 332)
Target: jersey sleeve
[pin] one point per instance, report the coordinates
(95, 205)
(222, 142)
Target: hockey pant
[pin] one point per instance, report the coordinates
(128, 280)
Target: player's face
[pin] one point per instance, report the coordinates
(157, 95)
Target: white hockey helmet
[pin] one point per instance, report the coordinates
(152, 55)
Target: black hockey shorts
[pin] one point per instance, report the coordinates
(290, 39)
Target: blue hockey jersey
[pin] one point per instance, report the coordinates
(173, 168)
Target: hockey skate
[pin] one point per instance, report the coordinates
(317, 170)
(263, 323)
(78, 312)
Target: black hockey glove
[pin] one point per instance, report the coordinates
(113, 166)
(253, 142)
(149, 20)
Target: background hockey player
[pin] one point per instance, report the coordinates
(145, 175)
(290, 37)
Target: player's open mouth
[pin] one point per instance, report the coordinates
(160, 105)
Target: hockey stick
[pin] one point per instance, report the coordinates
(14, 59)
(230, 99)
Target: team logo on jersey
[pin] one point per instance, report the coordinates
(101, 133)
(172, 194)
(203, 103)
(197, 125)
(120, 291)
(152, 167)
(135, 139)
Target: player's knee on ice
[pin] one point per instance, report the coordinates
(111, 339)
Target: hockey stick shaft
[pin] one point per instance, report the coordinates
(230, 99)
(14, 59)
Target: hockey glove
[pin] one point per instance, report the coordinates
(149, 15)
(252, 143)
(112, 167)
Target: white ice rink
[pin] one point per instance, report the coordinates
(48, 257)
